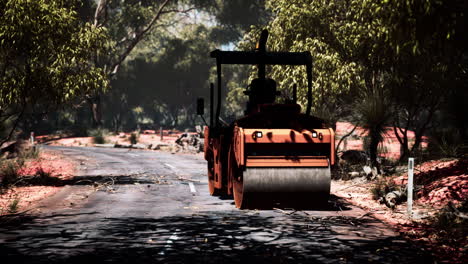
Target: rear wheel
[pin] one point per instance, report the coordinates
(211, 182)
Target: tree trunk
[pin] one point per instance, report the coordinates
(96, 110)
(373, 146)
(404, 147)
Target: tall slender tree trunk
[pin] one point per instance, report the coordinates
(373, 147)
(96, 110)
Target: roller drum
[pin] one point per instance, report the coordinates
(287, 180)
(294, 187)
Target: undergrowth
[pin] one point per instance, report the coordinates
(98, 135)
(133, 138)
(13, 206)
(9, 172)
(382, 187)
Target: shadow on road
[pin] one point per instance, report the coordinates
(46, 180)
(241, 237)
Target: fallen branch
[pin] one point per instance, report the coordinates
(180, 178)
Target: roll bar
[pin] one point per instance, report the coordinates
(261, 58)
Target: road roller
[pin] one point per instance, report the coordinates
(277, 153)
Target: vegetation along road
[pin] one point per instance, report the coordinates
(138, 206)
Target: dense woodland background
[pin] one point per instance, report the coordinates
(73, 66)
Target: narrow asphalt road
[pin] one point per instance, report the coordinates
(154, 207)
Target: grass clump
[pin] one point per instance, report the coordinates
(13, 206)
(382, 187)
(98, 135)
(29, 153)
(133, 138)
(9, 172)
(452, 217)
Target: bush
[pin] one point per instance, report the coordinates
(447, 143)
(382, 187)
(13, 206)
(451, 217)
(98, 135)
(9, 172)
(133, 138)
(29, 153)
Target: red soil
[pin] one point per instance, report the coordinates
(441, 182)
(390, 144)
(50, 162)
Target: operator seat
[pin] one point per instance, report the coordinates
(260, 91)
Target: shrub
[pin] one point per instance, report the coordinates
(13, 206)
(29, 153)
(9, 172)
(382, 187)
(451, 217)
(98, 135)
(133, 138)
(446, 143)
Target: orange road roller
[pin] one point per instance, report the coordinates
(276, 153)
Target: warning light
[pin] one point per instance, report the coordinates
(257, 134)
(320, 136)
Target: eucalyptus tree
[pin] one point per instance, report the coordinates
(128, 23)
(45, 55)
(165, 82)
(347, 40)
(393, 58)
(429, 39)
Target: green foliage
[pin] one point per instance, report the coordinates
(447, 142)
(13, 206)
(9, 172)
(98, 135)
(29, 153)
(373, 112)
(160, 85)
(45, 55)
(394, 58)
(452, 217)
(133, 138)
(235, 17)
(382, 187)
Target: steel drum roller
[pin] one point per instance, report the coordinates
(287, 180)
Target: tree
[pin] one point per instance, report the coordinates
(169, 67)
(235, 17)
(166, 81)
(302, 25)
(347, 40)
(430, 42)
(395, 54)
(45, 55)
(128, 23)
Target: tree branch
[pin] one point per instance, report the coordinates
(345, 136)
(101, 9)
(8, 137)
(138, 37)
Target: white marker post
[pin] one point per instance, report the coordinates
(31, 138)
(410, 186)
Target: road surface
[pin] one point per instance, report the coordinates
(129, 206)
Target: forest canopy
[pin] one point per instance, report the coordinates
(126, 65)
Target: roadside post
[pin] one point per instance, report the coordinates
(161, 133)
(31, 140)
(410, 186)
